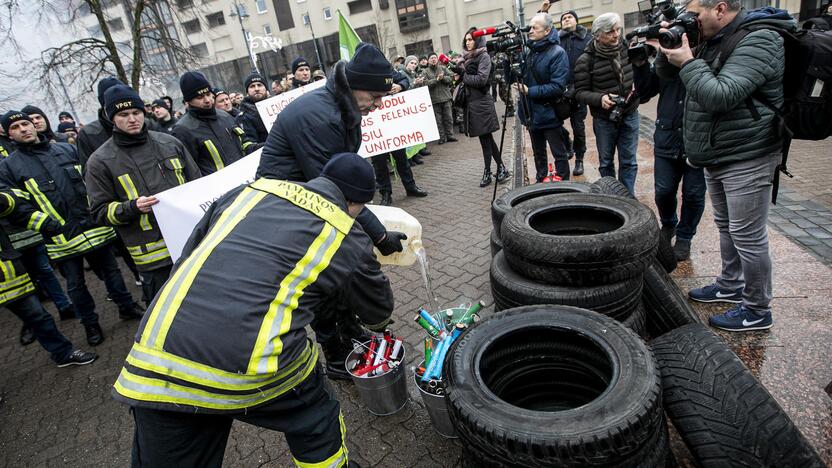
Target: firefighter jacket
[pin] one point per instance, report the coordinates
(51, 174)
(125, 168)
(212, 138)
(15, 283)
(226, 332)
(93, 135)
(7, 146)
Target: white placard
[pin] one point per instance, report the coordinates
(403, 120)
(271, 107)
(180, 208)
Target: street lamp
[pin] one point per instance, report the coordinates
(240, 13)
(308, 21)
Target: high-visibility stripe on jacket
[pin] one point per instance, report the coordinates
(14, 281)
(226, 331)
(214, 141)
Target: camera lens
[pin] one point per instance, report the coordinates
(672, 38)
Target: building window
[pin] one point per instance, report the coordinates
(192, 26)
(267, 30)
(305, 18)
(359, 6)
(419, 48)
(116, 24)
(200, 50)
(283, 10)
(242, 9)
(413, 15)
(446, 43)
(632, 20)
(327, 13)
(94, 30)
(754, 4)
(182, 4)
(261, 6)
(215, 19)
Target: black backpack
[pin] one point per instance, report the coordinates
(807, 86)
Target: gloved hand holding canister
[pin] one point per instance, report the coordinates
(391, 243)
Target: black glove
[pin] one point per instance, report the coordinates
(457, 69)
(391, 243)
(51, 228)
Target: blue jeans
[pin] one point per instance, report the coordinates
(37, 265)
(668, 174)
(624, 136)
(35, 317)
(102, 261)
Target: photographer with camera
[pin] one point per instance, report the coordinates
(573, 39)
(604, 82)
(731, 130)
(545, 73)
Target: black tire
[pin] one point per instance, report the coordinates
(667, 307)
(724, 415)
(637, 321)
(586, 394)
(496, 243)
(610, 186)
(617, 300)
(509, 200)
(579, 239)
(665, 254)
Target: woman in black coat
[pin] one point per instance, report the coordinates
(480, 116)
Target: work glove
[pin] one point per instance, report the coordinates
(391, 243)
(51, 228)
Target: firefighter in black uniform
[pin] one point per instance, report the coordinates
(51, 175)
(210, 135)
(249, 118)
(95, 133)
(225, 338)
(122, 176)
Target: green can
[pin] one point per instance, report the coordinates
(468, 317)
(432, 331)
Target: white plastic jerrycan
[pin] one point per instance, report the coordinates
(397, 219)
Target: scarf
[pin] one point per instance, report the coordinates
(126, 140)
(203, 114)
(607, 51)
(472, 55)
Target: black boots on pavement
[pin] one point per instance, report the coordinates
(579, 167)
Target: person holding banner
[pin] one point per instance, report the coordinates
(249, 118)
(312, 129)
(122, 176)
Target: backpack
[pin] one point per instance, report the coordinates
(807, 86)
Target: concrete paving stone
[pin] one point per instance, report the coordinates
(801, 223)
(819, 233)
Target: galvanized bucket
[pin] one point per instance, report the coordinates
(437, 410)
(384, 394)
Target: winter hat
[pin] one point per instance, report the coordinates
(369, 70)
(193, 84)
(411, 57)
(253, 78)
(64, 126)
(218, 91)
(297, 63)
(65, 114)
(30, 109)
(570, 12)
(353, 175)
(161, 103)
(119, 98)
(11, 117)
(104, 85)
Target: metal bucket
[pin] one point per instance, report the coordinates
(385, 394)
(437, 410)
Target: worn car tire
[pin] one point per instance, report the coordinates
(553, 386)
(508, 200)
(667, 307)
(637, 321)
(724, 415)
(616, 300)
(579, 239)
(496, 243)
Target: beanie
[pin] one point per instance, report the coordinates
(218, 91)
(369, 70)
(193, 84)
(570, 12)
(297, 63)
(353, 175)
(161, 103)
(64, 126)
(64, 114)
(30, 109)
(11, 117)
(411, 57)
(119, 98)
(253, 78)
(104, 85)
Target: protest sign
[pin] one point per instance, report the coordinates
(403, 120)
(271, 107)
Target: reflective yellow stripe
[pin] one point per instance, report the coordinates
(36, 220)
(170, 298)
(128, 186)
(278, 319)
(162, 391)
(79, 169)
(3, 152)
(42, 201)
(215, 155)
(15, 289)
(21, 194)
(8, 270)
(177, 169)
(246, 144)
(144, 222)
(308, 200)
(10, 208)
(338, 459)
(81, 243)
(150, 256)
(111, 213)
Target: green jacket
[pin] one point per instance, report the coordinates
(440, 90)
(718, 125)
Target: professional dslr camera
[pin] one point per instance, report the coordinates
(618, 106)
(656, 11)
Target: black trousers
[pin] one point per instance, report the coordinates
(152, 282)
(309, 416)
(554, 136)
(578, 144)
(104, 263)
(383, 173)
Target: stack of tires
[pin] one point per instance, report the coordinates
(577, 249)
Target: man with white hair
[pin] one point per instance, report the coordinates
(604, 81)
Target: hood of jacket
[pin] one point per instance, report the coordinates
(770, 16)
(579, 31)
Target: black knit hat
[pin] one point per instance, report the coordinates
(64, 126)
(11, 117)
(218, 91)
(353, 175)
(297, 63)
(104, 85)
(369, 70)
(570, 12)
(30, 109)
(119, 98)
(193, 84)
(161, 103)
(253, 78)
(65, 114)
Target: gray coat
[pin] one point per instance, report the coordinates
(718, 126)
(480, 114)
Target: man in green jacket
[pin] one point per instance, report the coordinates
(439, 81)
(729, 130)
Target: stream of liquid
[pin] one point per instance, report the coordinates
(422, 256)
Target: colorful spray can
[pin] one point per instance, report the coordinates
(432, 330)
(468, 317)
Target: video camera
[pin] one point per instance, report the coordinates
(508, 39)
(655, 12)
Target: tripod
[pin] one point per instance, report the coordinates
(526, 104)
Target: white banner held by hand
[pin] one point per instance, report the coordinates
(271, 107)
(403, 120)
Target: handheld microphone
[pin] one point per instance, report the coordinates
(483, 32)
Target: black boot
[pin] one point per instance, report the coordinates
(336, 354)
(67, 313)
(579, 167)
(131, 311)
(486, 178)
(386, 199)
(451, 139)
(27, 336)
(424, 152)
(416, 159)
(415, 191)
(502, 174)
(681, 250)
(95, 336)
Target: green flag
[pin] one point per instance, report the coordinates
(347, 38)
